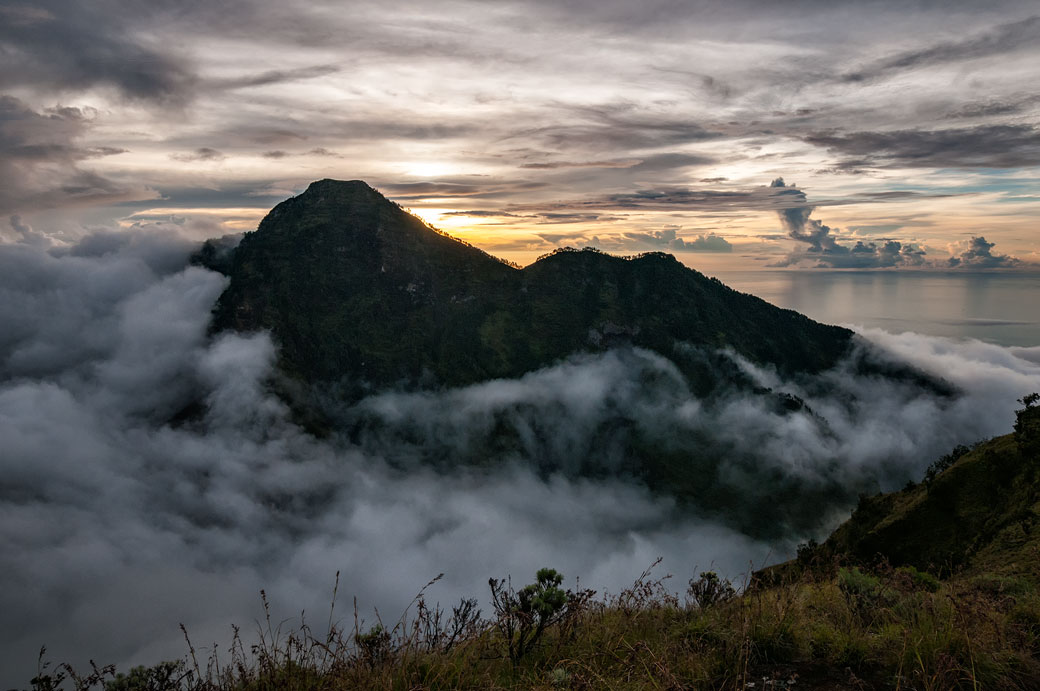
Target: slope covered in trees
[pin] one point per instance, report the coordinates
(360, 293)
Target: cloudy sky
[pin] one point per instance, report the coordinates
(746, 134)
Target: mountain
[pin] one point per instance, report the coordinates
(359, 293)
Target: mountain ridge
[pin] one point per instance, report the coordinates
(437, 311)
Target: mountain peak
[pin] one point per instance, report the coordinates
(340, 186)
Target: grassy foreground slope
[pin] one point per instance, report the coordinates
(935, 587)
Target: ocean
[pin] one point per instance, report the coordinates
(996, 308)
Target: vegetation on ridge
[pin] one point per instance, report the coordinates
(977, 511)
(358, 292)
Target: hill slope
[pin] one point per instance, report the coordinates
(354, 289)
(976, 512)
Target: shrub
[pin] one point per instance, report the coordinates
(374, 645)
(862, 592)
(1027, 427)
(522, 617)
(710, 590)
(807, 552)
(165, 676)
(936, 468)
(921, 580)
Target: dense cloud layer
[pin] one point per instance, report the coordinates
(121, 514)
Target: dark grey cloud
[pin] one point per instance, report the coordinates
(996, 41)
(552, 218)
(322, 151)
(267, 135)
(63, 45)
(670, 161)
(156, 523)
(481, 84)
(993, 107)
(278, 131)
(24, 233)
(463, 186)
(826, 251)
(41, 159)
(979, 255)
(552, 165)
(983, 146)
(276, 77)
(479, 213)
(622, 134)
(203, 153)
(443, 189)
(771, 198)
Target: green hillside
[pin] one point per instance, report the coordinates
(977, 512)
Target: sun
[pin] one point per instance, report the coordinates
(429, 169)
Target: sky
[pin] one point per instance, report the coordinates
(805, 134)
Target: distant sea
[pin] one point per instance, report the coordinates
(998, 308)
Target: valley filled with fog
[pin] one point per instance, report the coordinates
(123, 516)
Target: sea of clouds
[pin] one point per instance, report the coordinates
(121, 517)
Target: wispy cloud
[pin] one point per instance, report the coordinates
(996, 41)
(984, 146)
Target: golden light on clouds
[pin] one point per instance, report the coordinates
(529, 125)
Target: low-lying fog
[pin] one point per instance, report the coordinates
(115, 525)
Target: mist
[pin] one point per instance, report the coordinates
(122, 516)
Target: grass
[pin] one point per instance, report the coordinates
(827, 628)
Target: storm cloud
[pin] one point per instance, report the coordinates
(159, 515)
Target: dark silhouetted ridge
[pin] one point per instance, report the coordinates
(360, 293)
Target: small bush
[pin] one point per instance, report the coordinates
(1027, 427)
(920, 580)
(710, 590)
(165, 676)
(807, 552)
(936, 468)
(522, 617)
(863, 592)
(374, 645)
